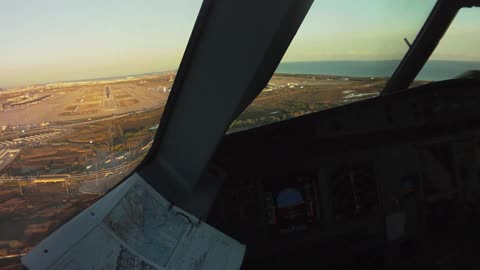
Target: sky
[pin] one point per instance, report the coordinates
(57, 40)
(375, 29)
(61, 40)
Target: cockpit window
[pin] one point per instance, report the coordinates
(457, 54)
(82, 88)
(344, 51)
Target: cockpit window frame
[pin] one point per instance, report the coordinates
(427, 40)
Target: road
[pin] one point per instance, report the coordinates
(102, 173)
(4, 138)
(101, 185)
(7, 157)
(60, 130)
(123, 168)
(113, 117)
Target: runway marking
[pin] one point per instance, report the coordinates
(108, 100)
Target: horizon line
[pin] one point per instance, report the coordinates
(175, 70)
(88, 79)
(383, 60)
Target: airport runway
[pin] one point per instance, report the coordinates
(84, 102)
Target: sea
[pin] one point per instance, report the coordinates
(434, 70)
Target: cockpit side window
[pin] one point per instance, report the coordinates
(457, 54)
(83, 86)
(344, 51)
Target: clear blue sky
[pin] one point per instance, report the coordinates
(56, 40)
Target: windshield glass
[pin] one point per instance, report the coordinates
(344, 51)
(82, 89)
(457, 52)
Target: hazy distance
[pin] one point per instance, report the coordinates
(55, 40)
